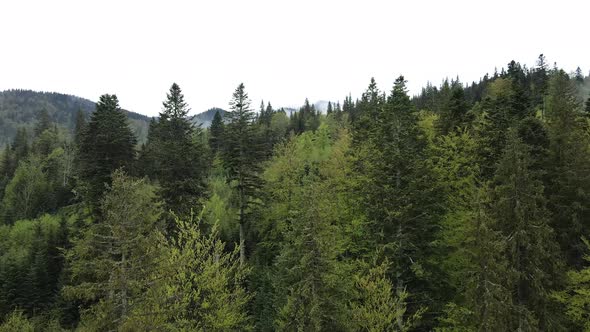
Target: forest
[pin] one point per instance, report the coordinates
(463, 208)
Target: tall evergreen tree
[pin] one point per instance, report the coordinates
(568, 168)
(177, 156)
(112, 263)
(107, 144)
(43, 122)
(241, 157)
(216, 133)
(401, 202)
(453, 114)
(533, 260)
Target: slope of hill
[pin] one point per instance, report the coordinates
(19, 108)
(204, 119)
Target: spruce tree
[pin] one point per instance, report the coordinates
(402, 203)
(568, 168)
(453, 115)
(43, 122)
(216, 133)
(241, 156)
(175, 156)
(522, 220)
(106, 145)
(112, 263)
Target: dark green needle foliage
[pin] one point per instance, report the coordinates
(107, 144)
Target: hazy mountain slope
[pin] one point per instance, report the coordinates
(204, 119)
(19, 108)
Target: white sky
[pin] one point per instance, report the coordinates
(283, 51)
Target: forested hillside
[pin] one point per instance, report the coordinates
(22, 108)
(465, 208)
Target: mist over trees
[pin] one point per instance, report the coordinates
(463, 208)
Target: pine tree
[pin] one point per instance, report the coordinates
(522, 220)
(453, 114)
(575, 297)
(367, 111)
(107, 144)
(113, 263)
(308, 265)
(401, 202)
(241, 156)
(568, 168)
(176, 155)
(43, 122)
(216, 133)
(503, 107)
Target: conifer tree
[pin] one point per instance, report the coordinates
(43, 122)
(175, 156)
(107, 144)
(397, 175)
(241, 156)
(568, 168)
(576, 296)
(367, 111)
(522, 220)
(113, 263)
(453, 114)
(216, 133)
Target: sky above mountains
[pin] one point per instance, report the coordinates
(283, 51)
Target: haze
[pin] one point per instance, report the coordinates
(284, 51)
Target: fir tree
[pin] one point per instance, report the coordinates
(176, 157)
(216, 133)
(241, 157)
(568, 168)
(522, 220)
(113, 263)
(453, 114)
(398, 175)
(107, 144)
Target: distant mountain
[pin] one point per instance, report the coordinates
(204, 119)
(19, 108)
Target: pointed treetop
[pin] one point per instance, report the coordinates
(240, 101)
(174, 106)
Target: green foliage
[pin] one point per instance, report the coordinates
(576, 296)
(376, 309)
(406, 222)
(241, 157)
(26, 194)
(30, 264)
(216, 133)
(112, 263)
(17, 322)
(441, 212)
(568, 168)
(199, 285)
(107, 144)
(174, 156)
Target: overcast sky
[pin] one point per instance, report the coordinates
(283, 51)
